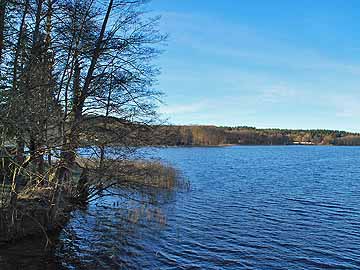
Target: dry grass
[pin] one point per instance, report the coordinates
(36, 193)
(135, 173)
(153, 174)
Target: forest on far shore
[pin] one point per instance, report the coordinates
(206, 135)
(212, 136)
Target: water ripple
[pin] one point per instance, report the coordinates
(259, 208)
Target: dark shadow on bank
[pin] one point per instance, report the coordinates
(31, 253)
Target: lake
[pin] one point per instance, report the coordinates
(249, 207)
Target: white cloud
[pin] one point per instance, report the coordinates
(346, 106)
(278, 93)
(183, 108)
(253, 77)
(240, 43)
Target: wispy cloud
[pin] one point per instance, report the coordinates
(346, 106)
(237, 42)
(279, 93)
(230, 72)
(183, 108)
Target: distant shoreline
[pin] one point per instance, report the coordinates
(229, 136)
(265, 145)
(232, 145)
(172, 135)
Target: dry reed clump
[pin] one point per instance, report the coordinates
(135, 174)
(153, 174)
(36, 193)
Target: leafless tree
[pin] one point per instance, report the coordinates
(82, 75)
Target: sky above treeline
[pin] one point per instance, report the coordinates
(282, 64)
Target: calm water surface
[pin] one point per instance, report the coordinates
(248, 208)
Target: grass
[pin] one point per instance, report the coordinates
(135, 174)
(153, 174)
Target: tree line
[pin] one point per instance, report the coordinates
(212, 136)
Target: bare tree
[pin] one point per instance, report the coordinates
(82, 77)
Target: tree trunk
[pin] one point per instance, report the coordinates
(69, 153)
(2, 27)
(18, 45)
(94, 60)
(36, 34)
(82, 187)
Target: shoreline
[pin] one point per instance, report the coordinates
(31, 216)
(233, 145)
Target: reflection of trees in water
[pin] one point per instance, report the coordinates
(113, 232)
(29, 254)
(110, 234)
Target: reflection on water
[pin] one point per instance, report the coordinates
(249, 208)
(96, 237)
(30, 254)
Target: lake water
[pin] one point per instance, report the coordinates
(248, 208)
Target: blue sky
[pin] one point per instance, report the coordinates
(284, 63)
